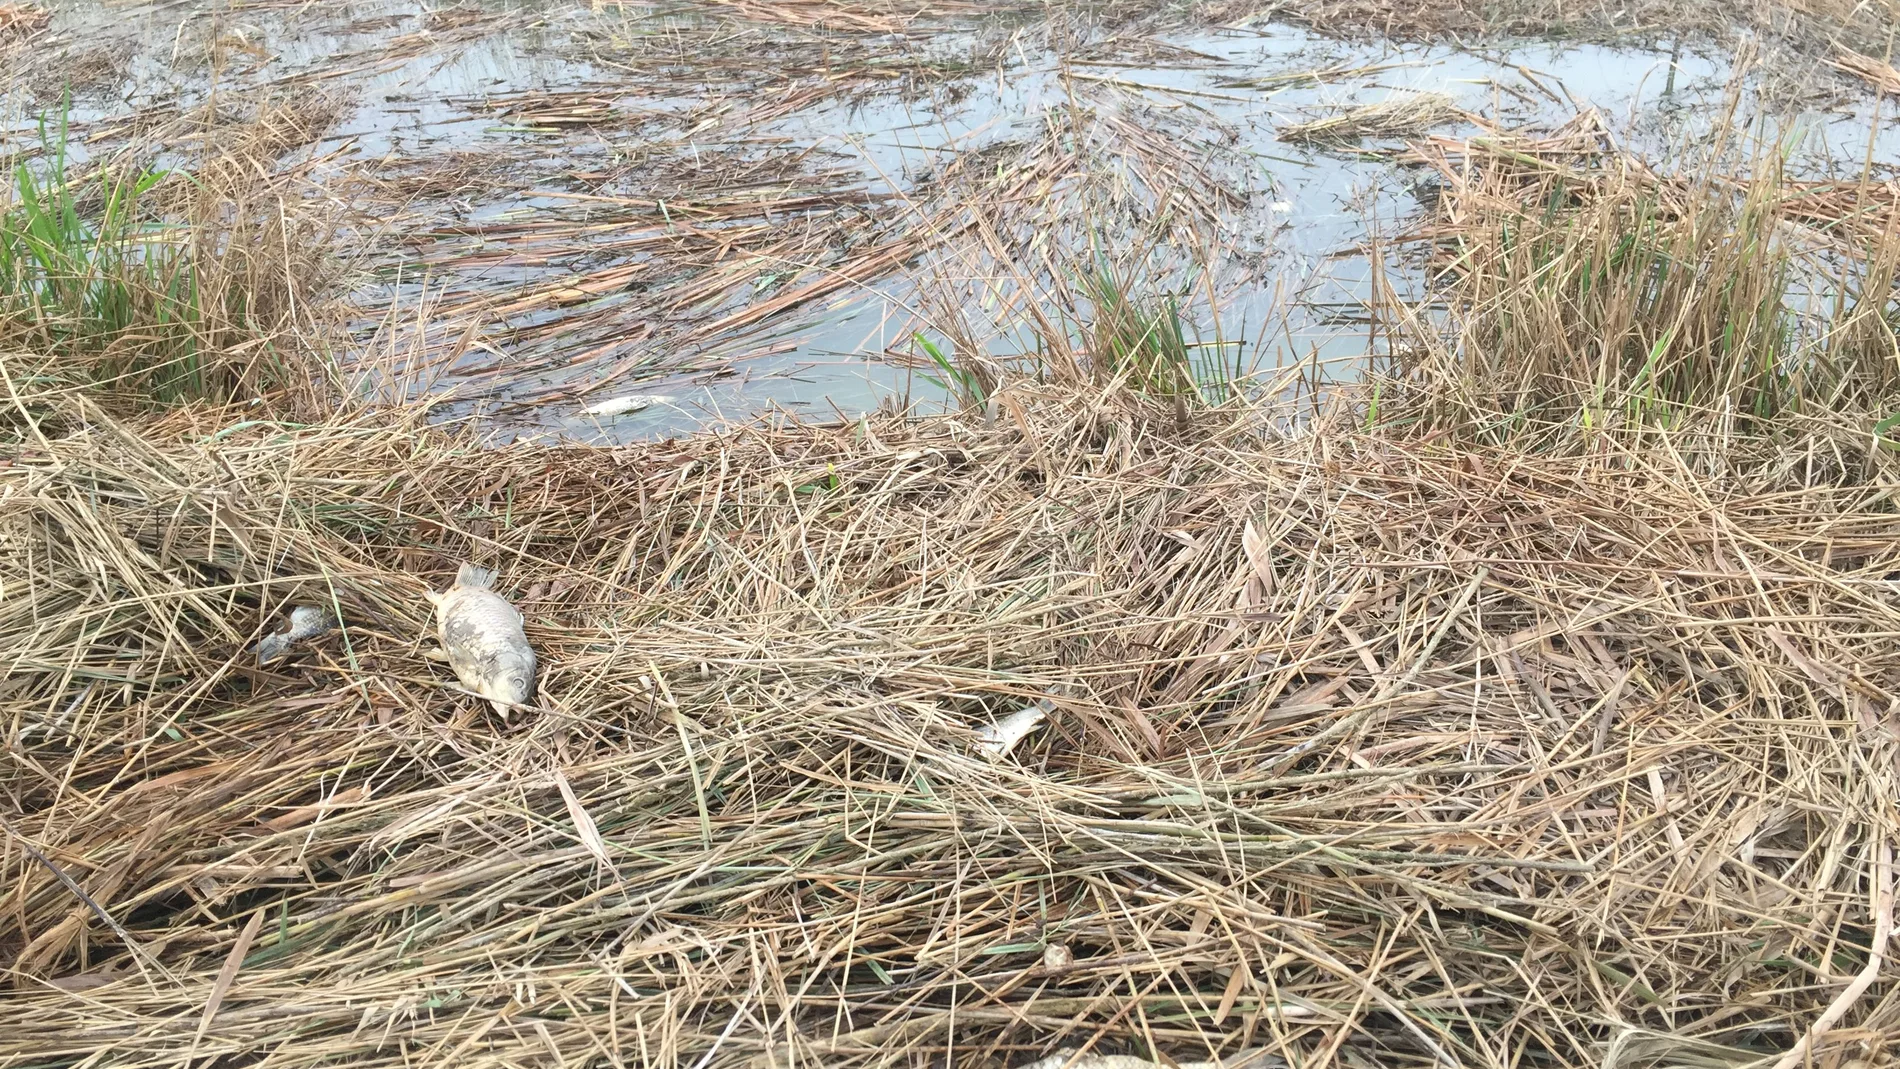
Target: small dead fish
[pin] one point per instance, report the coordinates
(306, 622)
(620, 406)
(1001, 737)
(482, 639)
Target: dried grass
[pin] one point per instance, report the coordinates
(1815, 27)
(18, 20)
(1364, 751)
(202, 281)
(1399, 115)
(1094, 251)
(1875, 72)
(1579, 289)
(1366, 748)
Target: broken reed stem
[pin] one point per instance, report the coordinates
(1881, 906)
(139, 956)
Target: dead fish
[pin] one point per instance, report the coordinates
(482, 639)
(1001, 737)
(620, 406)
(306, 621)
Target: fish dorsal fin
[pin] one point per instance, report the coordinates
(478, 578)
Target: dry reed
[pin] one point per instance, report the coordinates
(1094, 251)
(204, 280)
(1366, 748)
(1579, 289)
(1400, 115)
(19, 20)
(1875, 72)
(1364, 751)
(1814, 27)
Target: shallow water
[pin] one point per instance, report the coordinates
(1287, 262)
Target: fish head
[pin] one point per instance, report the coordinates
(510, 676)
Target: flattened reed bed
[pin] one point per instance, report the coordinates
(1365, 750)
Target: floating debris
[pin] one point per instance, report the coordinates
(1400, 115)
(306, 622)
(1875, 72)
(620, 406)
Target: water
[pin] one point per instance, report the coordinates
(569, 258)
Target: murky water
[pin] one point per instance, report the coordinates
(583, 204)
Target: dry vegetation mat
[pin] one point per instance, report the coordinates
(1400, 115)
(1363, 751)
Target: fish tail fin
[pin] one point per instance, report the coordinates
(477, 578)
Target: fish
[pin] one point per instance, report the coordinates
(306, 621)
(620, 406)
(1000, 738)
(482, 639)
